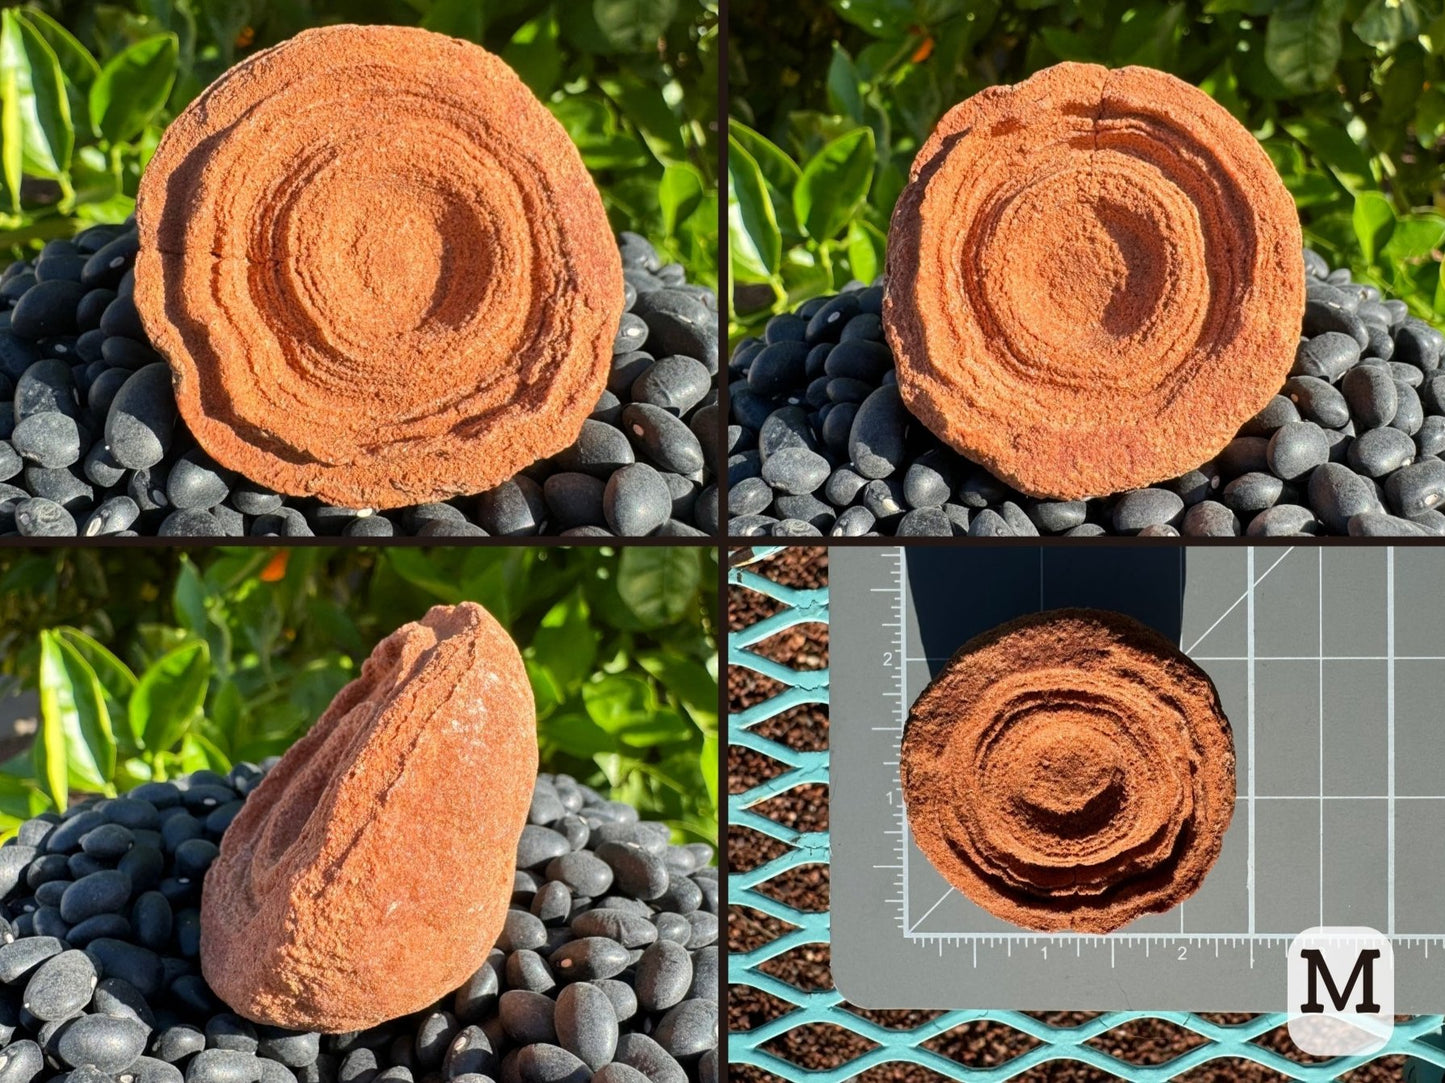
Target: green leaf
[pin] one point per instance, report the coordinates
(845, 92)
(72, 699)
(577, 735)
(617, 26)
(678, 194)
(1333, 146)
(459, 18)
(228, 712)
(225, 19)
(658, 584)
(76, 64)
(663, 726)
(754, 242)
(780, 171)
(48, 753)
(1302, 43)
(547, 694)
(620, 702)
(645, 104)
(834, 184)
(1068, 44)
(593, 126)
(1415, 237)
(1374, 219)
(878, 17)
(189, 598)
(1385, 24)
(417, 568)
(1149, 35)
(690, 681)
(133, 86)
(866, 247)
(1430, 117)
(709, 764)
(1244, 7)
(931, 12)
(115, 676)
(46, 133)
(565, 643)
(169, 695)
(19, 797)
(200, 753)
(75, 60)
(533, 54)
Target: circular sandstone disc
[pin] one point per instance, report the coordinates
(1070, 770)
(1093, 280)
(378, 268)
(370, 872)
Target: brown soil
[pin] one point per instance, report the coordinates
(308, 918)
(976, 1045)
(1070, 770)
(378, 268)
(1093, 280)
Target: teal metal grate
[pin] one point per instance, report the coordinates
(1418, 1037)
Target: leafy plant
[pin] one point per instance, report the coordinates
(251, 645)
(87, 87)
(1346, 96)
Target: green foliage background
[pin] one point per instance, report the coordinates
(87, 87)
(153, 662)
(830, 100)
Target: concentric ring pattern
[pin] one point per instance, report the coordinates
(378, 268)
(1070, 770)
(1093, 280)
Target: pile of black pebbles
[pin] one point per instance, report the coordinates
(91, 445)
(607, 969)
(820, 442)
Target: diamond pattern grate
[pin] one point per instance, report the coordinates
(1415, 1037)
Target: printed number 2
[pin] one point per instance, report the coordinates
(1183, 951)
(887, 658)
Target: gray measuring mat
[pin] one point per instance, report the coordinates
(1330, 665)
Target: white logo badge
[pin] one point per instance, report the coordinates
(1341, 990)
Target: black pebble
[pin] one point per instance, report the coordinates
(1371, 394)
(1336, 493)
(636, 501)
(141, 419)
(109, 1043)
(47, 309)
(876, 442)
(195, 481)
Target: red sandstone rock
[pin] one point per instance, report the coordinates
(370, 872)
(1093, 280)
(378, 268)
(1070, 770)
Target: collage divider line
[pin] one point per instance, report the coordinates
(1249, 722)
(1390, 740)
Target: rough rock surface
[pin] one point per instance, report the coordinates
(1092, 280)
(370, 872)
(1070, 770)
(378, 268)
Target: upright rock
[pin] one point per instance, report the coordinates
(370, 872)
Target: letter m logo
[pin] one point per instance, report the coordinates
(1341, 990)
(1364, 973)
